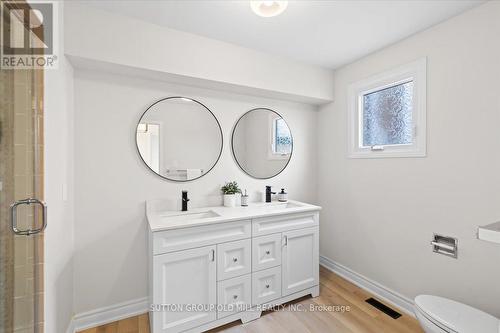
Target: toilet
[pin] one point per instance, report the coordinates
(441, 315)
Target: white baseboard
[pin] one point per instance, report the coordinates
(71, 326)
(108, 314)
(384, 293)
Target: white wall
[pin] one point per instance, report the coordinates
(59, 151)
(379, 214)
(112, 182)
(107, 37)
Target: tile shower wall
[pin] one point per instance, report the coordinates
(112, 183)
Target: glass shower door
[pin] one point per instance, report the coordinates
(22, 213)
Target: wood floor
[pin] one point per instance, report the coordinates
(334, 290)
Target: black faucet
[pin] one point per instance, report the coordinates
(185, 201)
(268, 193)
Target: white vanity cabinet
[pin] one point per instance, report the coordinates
(210, 274)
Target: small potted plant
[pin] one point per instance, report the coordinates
(230, 191)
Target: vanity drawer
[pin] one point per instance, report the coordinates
(274, 224)
(235, 294)
(266, 252)
(234, 259)
(186, 238)
(266, 285)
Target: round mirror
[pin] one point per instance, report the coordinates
(179, 138)
(262, 143)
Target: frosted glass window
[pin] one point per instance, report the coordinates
(282, 137)
(387, 116)
(387, 113)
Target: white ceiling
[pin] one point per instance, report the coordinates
(325, 33)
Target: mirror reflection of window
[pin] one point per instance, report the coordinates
(281, 138)
(262, 143)
(148, 141)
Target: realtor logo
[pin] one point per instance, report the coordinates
(27, 35)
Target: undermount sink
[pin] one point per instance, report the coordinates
(280, 206)
(191, 216)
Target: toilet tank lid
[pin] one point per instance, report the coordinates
(456, 316)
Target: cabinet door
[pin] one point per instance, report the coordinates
(234, 259)
(266, 252)
(300, 260)
(266, 285)
(234, 295)
(184, 278)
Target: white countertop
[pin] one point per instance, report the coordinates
(168, 220)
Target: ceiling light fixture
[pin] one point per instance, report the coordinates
(268, 8)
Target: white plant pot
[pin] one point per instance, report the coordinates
(229, 200)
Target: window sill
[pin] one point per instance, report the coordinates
(386, 154)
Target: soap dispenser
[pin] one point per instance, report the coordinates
(282, 196)
(244, 199)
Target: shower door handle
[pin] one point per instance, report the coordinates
(13, 216)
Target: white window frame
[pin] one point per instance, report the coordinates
(416, 72)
